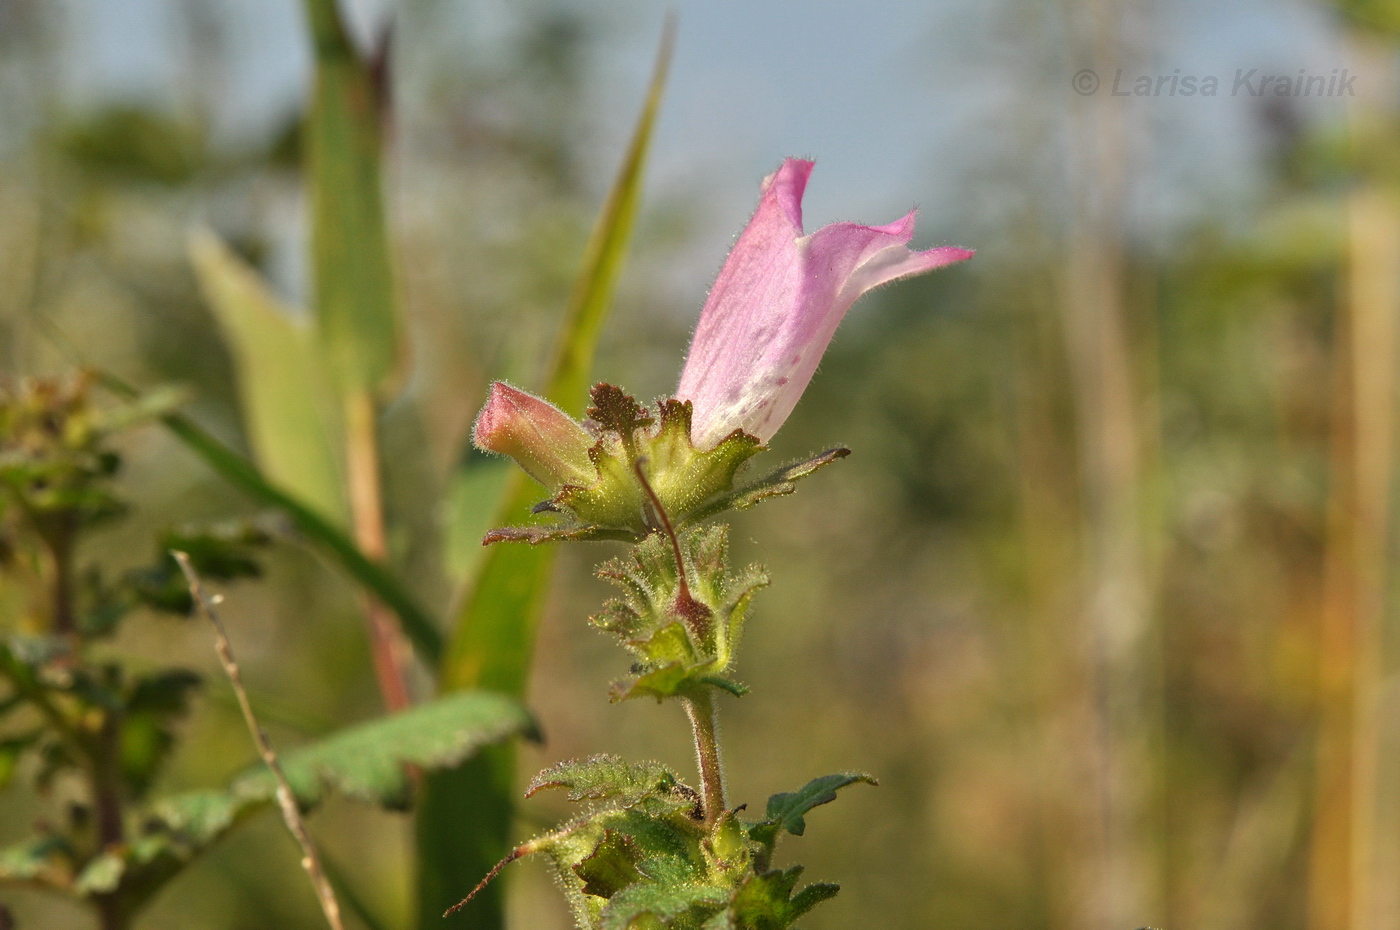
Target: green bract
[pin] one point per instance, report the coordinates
(644, 855)
(682, 640)
(639, 455)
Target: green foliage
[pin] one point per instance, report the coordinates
(135, 145)
(221, 553)
(765, 901)
(289, 409)
(464, 820)
(688, 484)
(778, 483)
(644, 856)
(152, 705)
(324, 536)
(354, 298)
(54, 462)
(788, 810)
(684, 639)
(1381, 16)
(368, 761)
(607, 778)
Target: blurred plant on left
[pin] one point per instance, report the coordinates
(84, 729)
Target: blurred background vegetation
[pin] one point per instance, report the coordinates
(1103, 597)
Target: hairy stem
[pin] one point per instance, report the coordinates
(705, 724)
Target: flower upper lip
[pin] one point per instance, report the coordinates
(777, 303)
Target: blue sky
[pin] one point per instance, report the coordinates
(887, 95)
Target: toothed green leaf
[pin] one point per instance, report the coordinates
(370, 761)
(788, 809)
(606, 777)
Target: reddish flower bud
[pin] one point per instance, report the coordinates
(544, 440)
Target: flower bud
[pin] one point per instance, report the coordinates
(544, 440)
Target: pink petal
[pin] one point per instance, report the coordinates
(777, 303)
(544, 440)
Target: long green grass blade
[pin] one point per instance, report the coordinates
(354, 298)
(325, 536)
(464, 818)
(289, 410)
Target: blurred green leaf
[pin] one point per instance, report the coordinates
(369, 761)
(326, 537)
(464, 819)
(222, 553)
(41, 859)
(154, 703)
(350, 251)
(288, 405)
(135, 145)
(472, 498)
(1382, 16)
(10, 752)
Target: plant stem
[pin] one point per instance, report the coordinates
(58, 540)
(110, 913)
(701, 709)
(367, 512)
(286, 800)
(107, 781)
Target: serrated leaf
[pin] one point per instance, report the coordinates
(200, 817)
(288, 405)
(660, 683)
(370, 761)
(788, 809)
(606, 777)
(766, 902)
(611, 866)
(464, 822)
(666, 903)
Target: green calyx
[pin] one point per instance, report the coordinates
(649, 472)
(642, 856)
(682, 621)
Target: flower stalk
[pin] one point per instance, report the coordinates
(653, 851)
(704, 723)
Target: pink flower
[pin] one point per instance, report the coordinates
(777, 303)
(548, 443)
